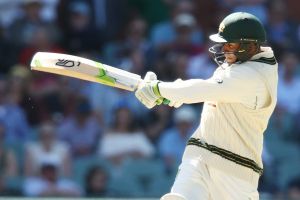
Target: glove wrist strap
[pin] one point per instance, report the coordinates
(155, 89)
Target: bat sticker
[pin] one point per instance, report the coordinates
(66, 63)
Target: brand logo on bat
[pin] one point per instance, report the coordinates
(67, 63)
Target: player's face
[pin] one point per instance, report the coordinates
(229, 49)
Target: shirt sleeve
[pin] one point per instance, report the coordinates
(237, 84)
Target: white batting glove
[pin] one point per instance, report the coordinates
(145, 93)
(148, 93)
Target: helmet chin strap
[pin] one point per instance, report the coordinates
(244, 53)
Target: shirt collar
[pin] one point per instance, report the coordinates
(266, 52)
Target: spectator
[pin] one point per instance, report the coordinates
(130, 53)
(152, 11)
(136, 35)
(281, 30)
(179, 64)
(255, 7)
(44, 92)
(124, 140)
(112, 98)
(209, 14)
(156, 122)
(165, 33)
(42, 38)
(81, 130)
(19, 79)
(134, 39)
(23, 27)
(135, 62)
(293, 190)
(179, 51)
(200, 65)
(47, 149)
(109, 16)
(162, 66)
(173, 141)
(185, 24)
(12, 115)
(289, 83)
(8, 55)
(8, 11)
(282, 127)
(298, 37)
(31, 33)
(50, 184)
(49, 10)
(80, 35)
(96, 182)
(8, 165)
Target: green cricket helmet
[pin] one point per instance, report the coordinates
(238, 27)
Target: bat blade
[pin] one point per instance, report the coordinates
(85, 69)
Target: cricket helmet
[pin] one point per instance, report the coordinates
(238, 27)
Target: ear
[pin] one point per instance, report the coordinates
(253, 48)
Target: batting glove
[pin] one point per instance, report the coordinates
(148, 93)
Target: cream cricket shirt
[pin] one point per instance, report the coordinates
(238, 102)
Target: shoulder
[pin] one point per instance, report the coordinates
(266, 56)
(266, 60)
(238, 75)
(253, 73)
(242, 71)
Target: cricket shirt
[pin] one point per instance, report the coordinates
(238, 102)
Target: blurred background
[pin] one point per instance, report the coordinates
(65, 137)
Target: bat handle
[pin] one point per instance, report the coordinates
(162, 101)
(166, 101)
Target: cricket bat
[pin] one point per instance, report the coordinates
(85, 69)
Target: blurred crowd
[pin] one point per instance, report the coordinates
(65, 137)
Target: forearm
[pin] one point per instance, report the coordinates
(220, 89)
(192, 91)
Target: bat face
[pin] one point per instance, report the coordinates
(85, 69)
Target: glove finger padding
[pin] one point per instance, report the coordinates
(150, 76)
(144, 99)
(148, 92)
(145, 93)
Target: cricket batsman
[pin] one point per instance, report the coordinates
(222, 159)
